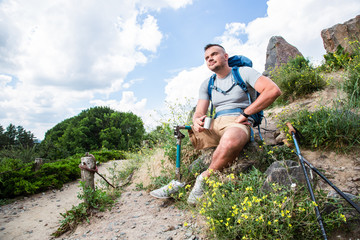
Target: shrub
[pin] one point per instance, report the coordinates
(327, 128)
(296, 79)
(352, 83)
(335, 61)
(237, 208)
(20, 179)
(265, 155)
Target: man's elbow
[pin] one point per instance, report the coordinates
(277, 92)
(274, 93)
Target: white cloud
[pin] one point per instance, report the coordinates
(130, 103)
(186, 84)
(158, 4)
(299, 22)
(4, 80)
(58, 56)
(63, 53)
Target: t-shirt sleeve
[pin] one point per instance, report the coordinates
(203, 91)
(249, 75)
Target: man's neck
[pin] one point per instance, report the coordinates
(223, 72)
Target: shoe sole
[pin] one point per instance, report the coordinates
(158, 196)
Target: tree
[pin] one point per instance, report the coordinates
(93, 129)
(11, 134)
(16, 137)
(3, 138)
(24, 138)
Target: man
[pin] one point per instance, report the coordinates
(231, 131)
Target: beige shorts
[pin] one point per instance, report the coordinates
(211, 138)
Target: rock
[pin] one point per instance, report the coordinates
(279, 52)
(341, 34)
(280, 138)
(285, 173)
(334, 194)
(203, 162)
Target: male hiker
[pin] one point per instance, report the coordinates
(230, 130)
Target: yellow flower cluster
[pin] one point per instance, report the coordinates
(342, 216)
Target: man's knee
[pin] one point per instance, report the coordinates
(233, 142)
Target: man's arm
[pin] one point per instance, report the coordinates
(200, 114)
(268, 90)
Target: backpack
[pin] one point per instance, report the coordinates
(235, 62)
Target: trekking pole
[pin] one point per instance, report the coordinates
(292, 131)
(178, 135)
(333, 186)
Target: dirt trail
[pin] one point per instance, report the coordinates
(136, 215)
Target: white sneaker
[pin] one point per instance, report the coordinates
(167, 190)
(197, 191)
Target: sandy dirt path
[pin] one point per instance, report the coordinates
(135, 215)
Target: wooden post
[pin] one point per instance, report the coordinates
(88, 176)
(38, 163)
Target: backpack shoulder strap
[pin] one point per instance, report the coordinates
(240, 81)
(211, 85)
(210, 88)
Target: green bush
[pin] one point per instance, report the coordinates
(335, 61)
(21, 179)
(106, 155)
(352, 83)
(237, 208)
(8, 164)
(327, 128)
(265, 155)
(296, 79)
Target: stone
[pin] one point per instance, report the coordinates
(279, 52)
(334, 194)
(285, 173)
(341, 34)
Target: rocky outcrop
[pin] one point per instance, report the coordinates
(341, 34)
(278, 52)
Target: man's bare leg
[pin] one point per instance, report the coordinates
(230, 146)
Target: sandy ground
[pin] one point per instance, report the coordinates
(136, 215)
(37, 216)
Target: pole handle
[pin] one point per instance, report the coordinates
(291, 128)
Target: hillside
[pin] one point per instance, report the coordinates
(136, 215)
(342, 169)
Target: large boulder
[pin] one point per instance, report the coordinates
(341, 34)
(279, 52)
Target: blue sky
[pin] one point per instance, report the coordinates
(187, 30)
(60, 57)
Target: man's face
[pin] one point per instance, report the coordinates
(215, 58)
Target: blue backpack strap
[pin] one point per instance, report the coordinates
(240, 82)
(243, 86)
(210, 88)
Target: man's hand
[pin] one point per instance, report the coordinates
(199, 123)
(242, 120)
